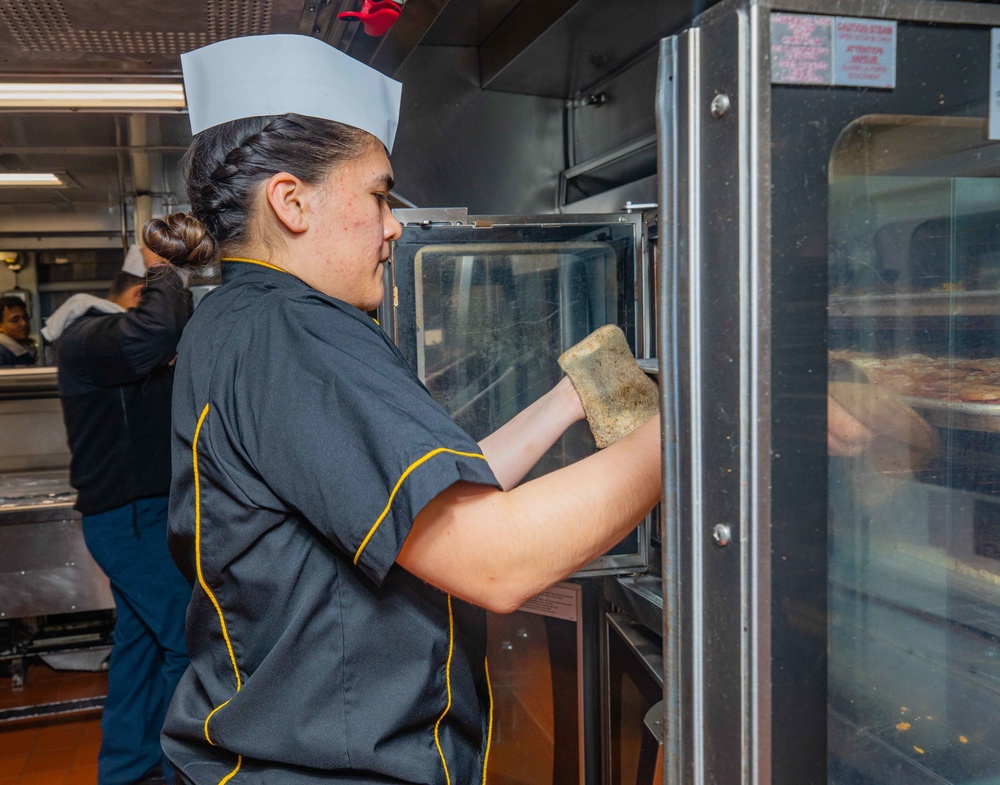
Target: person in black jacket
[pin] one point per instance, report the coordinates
(115, 369)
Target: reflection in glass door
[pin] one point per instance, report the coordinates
(914, 472)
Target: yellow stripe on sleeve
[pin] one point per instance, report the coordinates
(399, 484)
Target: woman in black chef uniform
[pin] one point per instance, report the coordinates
(342, 534)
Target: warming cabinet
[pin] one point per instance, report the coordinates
(829, 333)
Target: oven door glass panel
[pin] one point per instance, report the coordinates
(914, 502)
(493, 321)
(885, 305)
(493, 308)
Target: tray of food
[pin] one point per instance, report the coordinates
(948, 392)
(958, 415)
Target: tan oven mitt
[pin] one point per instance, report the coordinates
(617, 396)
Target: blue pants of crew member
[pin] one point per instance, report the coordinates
(149, 655)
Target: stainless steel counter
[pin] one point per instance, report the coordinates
(45, 567)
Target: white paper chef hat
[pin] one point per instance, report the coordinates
(133, 261)
(263, 75)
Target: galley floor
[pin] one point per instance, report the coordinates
(56, 749)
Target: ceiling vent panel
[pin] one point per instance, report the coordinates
(88, 36)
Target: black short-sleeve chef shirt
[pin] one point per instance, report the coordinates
(303, 448)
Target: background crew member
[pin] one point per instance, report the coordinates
(341, 528)
(15, 329)
(115, 377)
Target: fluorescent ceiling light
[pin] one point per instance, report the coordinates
(104, 95)
(26, 179)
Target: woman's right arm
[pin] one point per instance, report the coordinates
(515, 448)
(498, 548)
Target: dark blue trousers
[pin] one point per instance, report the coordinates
(149, 655)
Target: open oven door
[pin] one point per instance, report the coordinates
(482, 307)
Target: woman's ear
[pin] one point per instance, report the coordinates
(286, 195)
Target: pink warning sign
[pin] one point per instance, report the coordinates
(865, 53)
(801, 49)
(811, 49)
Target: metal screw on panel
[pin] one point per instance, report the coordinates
(720, 105)
(507, 646)
(722, 535)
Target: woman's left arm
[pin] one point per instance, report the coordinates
(516, 447)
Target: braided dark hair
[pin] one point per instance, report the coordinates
(225, 166)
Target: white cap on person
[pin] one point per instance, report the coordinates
(264, 75)
(133, 261)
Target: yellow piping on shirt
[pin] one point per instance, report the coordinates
(201, 576)
(447, 673)
(489, 728)
(256, 261)
(270, 267)
(405, 474)
(230, 775)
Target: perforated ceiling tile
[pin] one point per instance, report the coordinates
(87, 30)
(231, 18)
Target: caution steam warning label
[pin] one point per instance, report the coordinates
(808, 49)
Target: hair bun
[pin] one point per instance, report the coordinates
(181, 239)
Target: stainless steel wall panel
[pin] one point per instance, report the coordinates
(462, 146)
(591, 40)
(621, 113)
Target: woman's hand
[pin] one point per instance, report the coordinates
(845, 435)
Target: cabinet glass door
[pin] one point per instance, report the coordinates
(890, 205)
(830, 329)
(914, 476)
